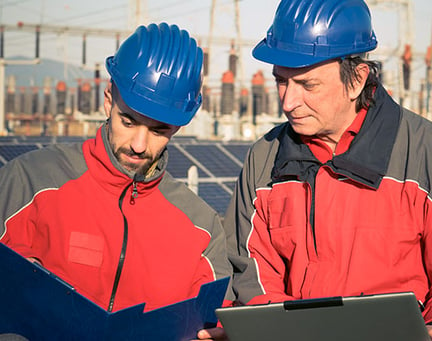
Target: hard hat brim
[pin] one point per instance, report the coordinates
(264, 53)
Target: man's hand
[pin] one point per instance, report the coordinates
(34, 260)
(429, 329)
(212, 334)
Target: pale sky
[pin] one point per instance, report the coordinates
(391, 27)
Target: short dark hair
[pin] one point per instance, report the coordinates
(348, 74)
(114, 90)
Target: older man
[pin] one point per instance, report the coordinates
(336, 201)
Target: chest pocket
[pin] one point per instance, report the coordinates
(287, 223)
(86, 249)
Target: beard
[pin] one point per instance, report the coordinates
(130, 166)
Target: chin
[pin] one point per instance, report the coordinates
(133, 167)
(303, 131)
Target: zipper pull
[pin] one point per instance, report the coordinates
(134, 194)
(137, 178)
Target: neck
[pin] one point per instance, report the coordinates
(330, 141)
(332, 137)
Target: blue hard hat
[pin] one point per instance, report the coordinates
(157, 71)
(307, 32)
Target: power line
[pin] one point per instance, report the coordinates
(87, 15)
(13, 3)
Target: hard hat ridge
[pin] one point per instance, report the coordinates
(158, 73)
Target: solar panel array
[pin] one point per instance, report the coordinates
(218, 163)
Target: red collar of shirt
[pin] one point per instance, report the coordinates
(323, 152)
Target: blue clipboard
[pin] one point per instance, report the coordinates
(38, 305)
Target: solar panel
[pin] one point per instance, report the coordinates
(214, 159)
(230, 185)
(70, 139)
(10, 152)
(184, 139)
(179, 163)
(214, 195)
(38, 139)
(238, 150)
(9, 139)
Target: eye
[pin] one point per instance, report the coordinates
(160, 131)
(127, 123)
(157, 131)
(308, 85)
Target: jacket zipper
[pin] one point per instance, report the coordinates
(312, 213)
(134, 194)
(123, 249)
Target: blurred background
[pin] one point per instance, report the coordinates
(52, 55)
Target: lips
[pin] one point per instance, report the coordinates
(295, 115)
(297, 118)
(133, 158)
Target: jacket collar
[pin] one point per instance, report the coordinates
(367, 159)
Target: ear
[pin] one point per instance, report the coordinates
(362, 72)
(108, 100)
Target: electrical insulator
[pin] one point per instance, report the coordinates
(244, 101)
(61, 98)
(227, 99)
(232, 61)
(37, 42)
(258, 95)
(35, 101)
(205, 62)
(206, 98)
(85, 102)
(406, 66)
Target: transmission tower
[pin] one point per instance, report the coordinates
(138, 14)
(3, 63)
(238, 42)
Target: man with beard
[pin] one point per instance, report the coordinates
(104, 215)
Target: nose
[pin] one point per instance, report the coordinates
(290, 96)
(139, 140)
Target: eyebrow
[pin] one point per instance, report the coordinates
(126, 115)
(162, 126)
(294, 79)
(158, 125)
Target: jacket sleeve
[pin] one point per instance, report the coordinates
(427, 258)
(214, 263)
(259, 272)
(215, 257)
(26, 177)
(15, 214)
